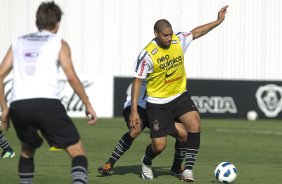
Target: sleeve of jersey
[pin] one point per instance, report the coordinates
(143, 65)
(185, 38)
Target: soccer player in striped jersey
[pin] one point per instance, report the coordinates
(127, 139)
(161, 63)
(35, 106)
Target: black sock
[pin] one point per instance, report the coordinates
(26, 170)
(4, 143)
(79, 170)
(179, 155)
(123, 145)
(149, 155)
(193, 145)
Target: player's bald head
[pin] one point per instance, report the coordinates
(161, 24)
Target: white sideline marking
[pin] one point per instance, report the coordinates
(264, 132)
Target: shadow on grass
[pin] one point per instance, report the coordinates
(158, 172)
(136, 169)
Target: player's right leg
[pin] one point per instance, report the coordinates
(180, 149)
(122, 146)
(21, 114)
(79, 163)
(161, 124)
(155, 148)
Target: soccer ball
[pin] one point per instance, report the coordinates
(252, 115)
(225, 172)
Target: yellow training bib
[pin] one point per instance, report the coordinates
(169, 76)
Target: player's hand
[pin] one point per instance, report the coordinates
(91, 116)
(134, 120)
(221, 13)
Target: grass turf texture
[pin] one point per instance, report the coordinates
(253, 147)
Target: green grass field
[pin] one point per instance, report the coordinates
(253, 147)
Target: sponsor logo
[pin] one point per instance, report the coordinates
(142, 67)
(31, 54)
(68, 97)
(170, 74)
(269, 99)
(174, 42)
(166, 62)
(215, 104)
(154, 51)
(156, 125)
(36, 37)
(173, 80)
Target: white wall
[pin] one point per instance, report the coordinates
(107, 35)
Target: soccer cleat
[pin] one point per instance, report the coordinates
(176, 172)
(8, 154)
(105, 169)
(187, 176)
(147, 172)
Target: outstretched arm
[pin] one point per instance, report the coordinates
(204, 29)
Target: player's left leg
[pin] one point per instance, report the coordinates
(126, 140)
(191, 120)
(79, 163)
(8, 152)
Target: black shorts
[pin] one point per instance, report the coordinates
(163, 116)
(142, 114)
(46, 115)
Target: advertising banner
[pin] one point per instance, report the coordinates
(222, 98)
(98, 88)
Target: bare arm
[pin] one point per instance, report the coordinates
(67, 66)
(5, 68)
(135, 92)
(204, 29)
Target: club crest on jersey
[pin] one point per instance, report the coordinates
(154, 51)
(156, 125)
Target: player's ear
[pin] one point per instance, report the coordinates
(156, 34)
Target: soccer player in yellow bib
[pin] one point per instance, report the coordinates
(162, 64)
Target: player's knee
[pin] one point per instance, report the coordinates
(183, 138)
(27, 151)
(75, 150)
(195, 126)
(158, 148)
(182, 135)
(135, 133)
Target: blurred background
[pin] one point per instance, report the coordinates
(232, 71)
